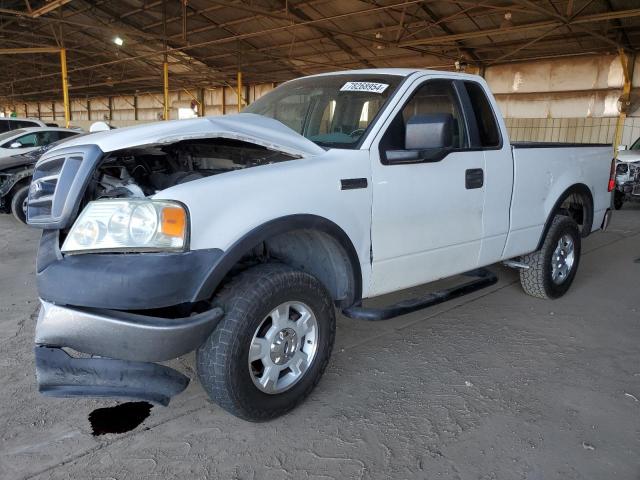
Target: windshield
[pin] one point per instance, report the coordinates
(331, 111)
(636, 145)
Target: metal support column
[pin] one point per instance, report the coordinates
(165, 76)
(65, 87)
(625, 98)
(239, 92)
(202, 111)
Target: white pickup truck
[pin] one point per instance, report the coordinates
(238, 236)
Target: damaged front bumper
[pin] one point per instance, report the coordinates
(126, 343)
(61, 375)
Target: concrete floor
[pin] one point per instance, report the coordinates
(497, 385)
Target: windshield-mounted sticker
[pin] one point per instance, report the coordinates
(364, 87)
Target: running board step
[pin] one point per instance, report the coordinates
(482, 278)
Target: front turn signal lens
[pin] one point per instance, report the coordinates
(173, 221)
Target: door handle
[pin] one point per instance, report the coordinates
(474, 178)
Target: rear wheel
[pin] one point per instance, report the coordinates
(553, 268)
(19, 204)
(273, 344)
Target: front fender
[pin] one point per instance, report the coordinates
(11, 181)
(226, 208)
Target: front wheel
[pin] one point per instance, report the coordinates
(19, 204)
(273, 344)
(551, 269)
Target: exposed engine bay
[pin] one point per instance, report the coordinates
(143, 171)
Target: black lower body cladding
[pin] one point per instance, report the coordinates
(119, 281)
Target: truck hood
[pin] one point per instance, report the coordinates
(246, 127)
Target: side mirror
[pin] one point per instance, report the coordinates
(428, 138)
(429, 131)
(15, 145)
(622, 148)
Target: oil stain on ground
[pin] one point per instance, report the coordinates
(119, 419)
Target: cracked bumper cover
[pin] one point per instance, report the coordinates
(123, 335)
(85, 306)
(130, 341)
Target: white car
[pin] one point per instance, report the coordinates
(13, 123)
(238, 236)
(630, 154)
(24, 140)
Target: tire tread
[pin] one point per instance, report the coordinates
(536, 280)
(214, 357)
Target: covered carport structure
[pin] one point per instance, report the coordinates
(491, 385)
(118, 52)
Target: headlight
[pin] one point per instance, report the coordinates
(136, 225)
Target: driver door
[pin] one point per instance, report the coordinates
(426, 216)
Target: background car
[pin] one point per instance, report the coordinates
(11, 123)
(26, 139)
(627, 181)
(631, 153)
(15, 178)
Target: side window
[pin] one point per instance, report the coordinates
(4, 126)
(433, 97)
(62, 135)
(24, 124)
(29, 140)
(45, 138)
(485, 118)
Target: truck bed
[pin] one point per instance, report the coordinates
(541, 177)
(557, 145)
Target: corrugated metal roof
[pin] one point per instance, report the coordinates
(207, 41)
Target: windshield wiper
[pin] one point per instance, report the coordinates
(332, 144)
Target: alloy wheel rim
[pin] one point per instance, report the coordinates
(563, 259)
(283, 347)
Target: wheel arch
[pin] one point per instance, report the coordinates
(19, 180)
(577, 194)
(307, 242)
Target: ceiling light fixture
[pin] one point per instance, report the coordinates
(507, 20)
(118, 41)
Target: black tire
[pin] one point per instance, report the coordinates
(17, 204)
(537, 280)
(222, 361)
(618, 200)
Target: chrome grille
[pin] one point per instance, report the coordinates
(59, 182)
(43, 187)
